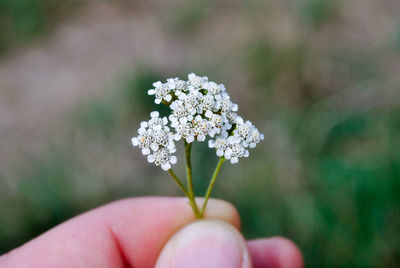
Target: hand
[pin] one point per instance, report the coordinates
(152, 232)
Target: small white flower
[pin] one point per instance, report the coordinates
(216, 123)
(236, 151)
(233, 147)
(254, 138)
(214, 88)
(179, 111)
(191, 101)
(160, 137)
(243, 130)
(156, 122)
(143, 140)
(208, 103)
(163, 158)
(248, 133)
(156, 141)
(184, 129)
(171, 83)
(161, 92)
(190, 139)
(201, 128)
(196, 82)
(178, 86)
(220, 145)
(231, 116)
(226, 104)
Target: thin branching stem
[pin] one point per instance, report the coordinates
(188, 150)
(180, 184)
(178, 181)
(211, 185)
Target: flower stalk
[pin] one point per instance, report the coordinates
(178, 181)
(211, 185)
(188, 150)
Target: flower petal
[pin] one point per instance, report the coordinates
(154, 146)
(157, 84)
(234, 160)
(190, 139)
(145, 151)
(166, 166)
(168, 98)
(151, 158)
(177, 137)
(201, 137)
(135, 141)
(173, 159)
(154, 114)
(211, 144)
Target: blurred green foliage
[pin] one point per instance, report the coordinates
(327, 175)
(189, 16)
(97, 118)
(42, 199)
(317, 12)
(102, 116)
(22, 20)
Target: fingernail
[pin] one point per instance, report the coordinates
(205, 243)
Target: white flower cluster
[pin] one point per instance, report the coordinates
(199, 109)
(156, 141)
(235, 146)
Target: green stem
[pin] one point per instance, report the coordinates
(188, 150)
(178, 181)
(211, 185)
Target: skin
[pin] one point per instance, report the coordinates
(132, 233)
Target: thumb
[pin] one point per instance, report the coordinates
(205, 243)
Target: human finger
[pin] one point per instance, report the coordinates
(130, 232)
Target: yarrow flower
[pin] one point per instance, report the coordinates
(200, 110)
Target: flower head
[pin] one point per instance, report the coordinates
(200, 109)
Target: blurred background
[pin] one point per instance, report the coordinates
(321, 79)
